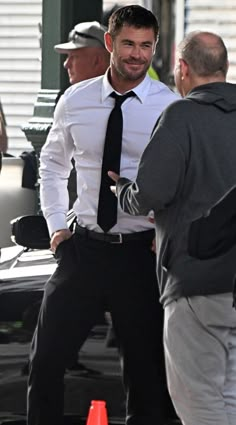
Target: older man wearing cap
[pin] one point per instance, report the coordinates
(87, 56)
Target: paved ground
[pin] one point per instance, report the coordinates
(81, 388)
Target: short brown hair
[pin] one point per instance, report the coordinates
(134, 15)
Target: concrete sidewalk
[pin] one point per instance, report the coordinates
(101, 382)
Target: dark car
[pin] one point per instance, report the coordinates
(23, 273)
(24, 270)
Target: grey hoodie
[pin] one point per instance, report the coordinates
(187, 176)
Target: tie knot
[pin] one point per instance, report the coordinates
(121, 98)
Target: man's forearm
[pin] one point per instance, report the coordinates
(129, 197)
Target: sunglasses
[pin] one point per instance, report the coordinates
(75, 37)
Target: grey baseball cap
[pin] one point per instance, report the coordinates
(85, 34)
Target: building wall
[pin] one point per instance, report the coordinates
(20, 67)
(108, 4)
(218, 17)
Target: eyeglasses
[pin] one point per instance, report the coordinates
(75, 36)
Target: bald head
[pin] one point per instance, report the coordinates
(200, 58)
(205, 52)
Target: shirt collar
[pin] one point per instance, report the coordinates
(141, 90)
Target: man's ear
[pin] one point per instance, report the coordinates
(155, 46)
(184, 68)
(108, 42)
(227, 66)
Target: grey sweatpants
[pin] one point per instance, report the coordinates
(200, 353)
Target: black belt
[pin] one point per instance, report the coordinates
(115, 238)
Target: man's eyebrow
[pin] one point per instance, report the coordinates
(125, 40)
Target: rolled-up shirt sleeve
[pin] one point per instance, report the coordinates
(54, 170)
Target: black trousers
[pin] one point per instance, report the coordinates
(91, 277)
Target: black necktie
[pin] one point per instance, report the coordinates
(107, 204)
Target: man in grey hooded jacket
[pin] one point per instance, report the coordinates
(187, 177)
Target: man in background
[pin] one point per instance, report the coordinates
(87, 56)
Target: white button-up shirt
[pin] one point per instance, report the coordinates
(78, 131)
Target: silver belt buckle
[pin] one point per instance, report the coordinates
(119, 238)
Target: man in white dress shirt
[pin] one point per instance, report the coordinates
(86, 57)
(98, 271)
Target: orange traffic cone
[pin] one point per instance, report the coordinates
(97, 413)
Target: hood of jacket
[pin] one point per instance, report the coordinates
(222, 95)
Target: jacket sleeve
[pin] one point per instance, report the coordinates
(160, 176)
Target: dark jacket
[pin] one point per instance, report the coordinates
(187, 175)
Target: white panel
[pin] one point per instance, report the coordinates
(27, 9)
(108, 4)
(15, 200)
(20, 20)
(32, 78)
(22, 2)
(20, 66)
(215, 16)
(211, 3)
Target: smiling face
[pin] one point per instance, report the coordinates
(131, 55)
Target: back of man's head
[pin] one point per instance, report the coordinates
(205, 53)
